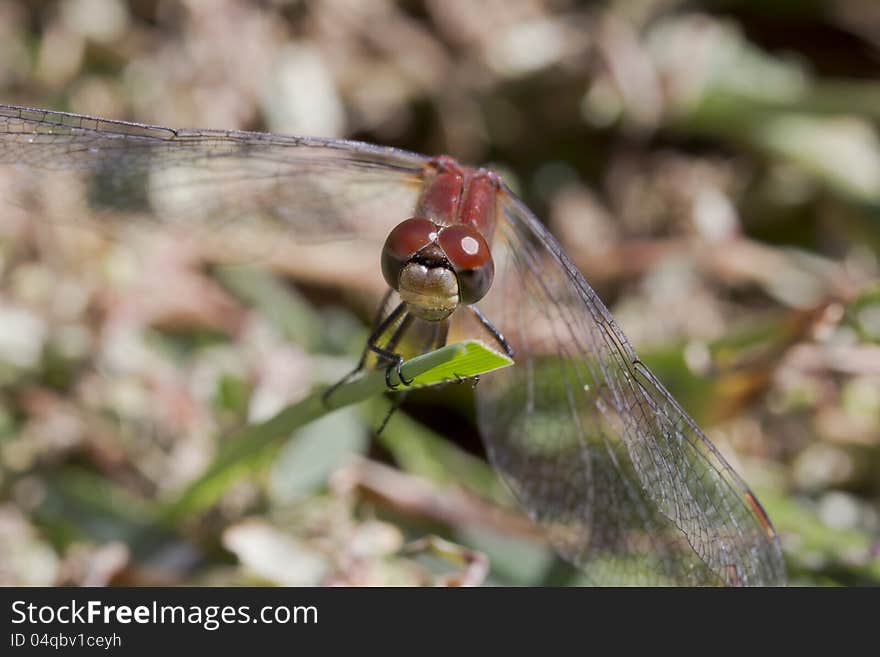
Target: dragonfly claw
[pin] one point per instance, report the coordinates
(400, 377)
(459, 380)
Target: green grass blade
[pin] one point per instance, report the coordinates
(247, 449)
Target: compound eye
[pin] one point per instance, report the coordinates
(469, 254)
(404, 241)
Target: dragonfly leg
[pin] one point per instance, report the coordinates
(396, 403)
(379, 327)
(436, 340)
(494, 332)
(387, 352)
(459, 379)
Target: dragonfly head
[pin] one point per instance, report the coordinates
(436, 268)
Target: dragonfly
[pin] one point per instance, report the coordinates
(620, 479)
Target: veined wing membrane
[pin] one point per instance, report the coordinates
(627, 485)
(297, 189)
(594, 447)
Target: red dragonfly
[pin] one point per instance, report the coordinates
(595, 449)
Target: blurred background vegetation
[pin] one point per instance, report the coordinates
(713, 167)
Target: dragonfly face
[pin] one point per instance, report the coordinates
(435, 268)
(427, 285)
(596, 450)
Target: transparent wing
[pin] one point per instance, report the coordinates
(626, 484)
(78, 169)
(594, 447)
